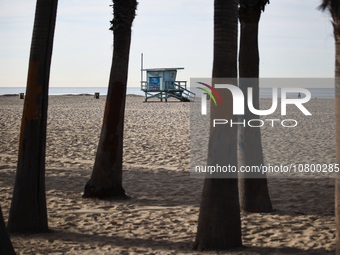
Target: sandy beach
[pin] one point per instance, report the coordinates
(161, 216)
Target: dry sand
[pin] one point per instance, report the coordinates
(161, 217)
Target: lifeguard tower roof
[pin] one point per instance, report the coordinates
(163, 69)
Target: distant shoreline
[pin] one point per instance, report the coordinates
(264, 92)
(68, 95)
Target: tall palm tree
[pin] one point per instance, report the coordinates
(333, 7)
(253, 189)
(106, 179)
(219, 223)
(5, 243)
(28, 212)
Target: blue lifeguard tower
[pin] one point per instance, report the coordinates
(161, 83)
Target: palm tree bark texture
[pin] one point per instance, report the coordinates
(253, 188)
(106, 179)
(28, 212)
(5, 242)
(333, 6)
(219, 223)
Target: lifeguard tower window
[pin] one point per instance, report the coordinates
(161, 83)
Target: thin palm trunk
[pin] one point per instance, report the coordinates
(106, 179)
(336, 26)
(333, 6)
(219, 223)
(28, 212)
(253, 189)
(5, 242)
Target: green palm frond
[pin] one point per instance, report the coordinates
(253, 3)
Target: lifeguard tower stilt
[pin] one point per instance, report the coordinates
(161, 83)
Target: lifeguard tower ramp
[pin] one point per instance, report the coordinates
(161, 83)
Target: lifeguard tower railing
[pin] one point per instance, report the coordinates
(161, 83)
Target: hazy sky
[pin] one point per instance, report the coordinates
(295, 40)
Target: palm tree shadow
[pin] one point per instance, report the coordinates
(175, 188)
(185, 245)
(302, 196)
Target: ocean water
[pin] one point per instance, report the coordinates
(264, 92)
(69, 90)
(315, 93)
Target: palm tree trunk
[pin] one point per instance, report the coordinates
(333, 7)
(219, 223)
(253, 189)
(106, 179)
(28, 212)
(336, 27)
(5, 242)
